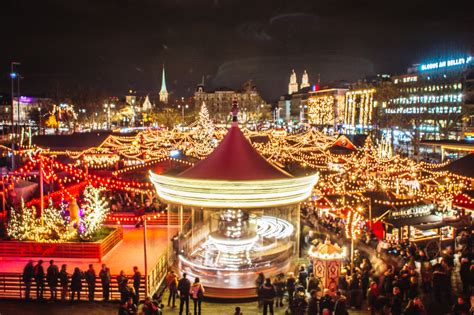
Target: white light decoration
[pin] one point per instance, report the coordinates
(233, 194)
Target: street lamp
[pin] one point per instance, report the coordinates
(39, 123)
(182, 110)
(13, 76)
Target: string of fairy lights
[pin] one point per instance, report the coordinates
(346, 178)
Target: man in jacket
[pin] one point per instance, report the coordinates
(39, 279)
(267, 292)
(28, 275)
(137, 276)
(104, 276)
(90, 279)
(172, 284)
(184, 285)
(52, 274)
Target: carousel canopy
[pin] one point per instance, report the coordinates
(234, 176)
(234, 159)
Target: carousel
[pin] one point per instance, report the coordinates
(239, 216)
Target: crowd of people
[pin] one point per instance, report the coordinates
(184, 290)
(132, 202)
(398, 288)
(64, 286)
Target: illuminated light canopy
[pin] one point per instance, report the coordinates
(233, 194)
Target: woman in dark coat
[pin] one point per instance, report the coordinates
(76, 283)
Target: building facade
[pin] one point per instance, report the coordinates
(325, 107)
(359, 110)
(219, 102)
(430, 99)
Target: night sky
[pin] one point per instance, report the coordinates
(115, 45)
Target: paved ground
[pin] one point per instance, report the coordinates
(125, 255)
(8, 307)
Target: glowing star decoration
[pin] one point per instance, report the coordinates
(94, 213)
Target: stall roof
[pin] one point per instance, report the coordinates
(427, 219)
(462, 166)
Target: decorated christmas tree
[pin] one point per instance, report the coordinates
(204, 133)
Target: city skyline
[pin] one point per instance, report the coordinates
(117, 46)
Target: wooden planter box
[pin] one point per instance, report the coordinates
(95, 250)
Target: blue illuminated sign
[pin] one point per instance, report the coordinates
(445, 63)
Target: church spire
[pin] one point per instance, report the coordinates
(304, 80)
(163, 91)
(293, 85)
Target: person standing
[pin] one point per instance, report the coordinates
(122, 282)
(259, 282)
(184, 285)
(415, 307)
(460, 307)
(340, 308)
(313, 303)
(28, 275)
(197, 294)
(268, 295)
(39, 279)
(172, 284)
(91, 279)
(64, 281)
(137, 277)
(279, 285)
(290, 287)
(76, 284)
(396, 302)
(104, 276)
(303, 277)
(464, 273)
(52, 274)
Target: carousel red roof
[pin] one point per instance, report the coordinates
(234, 159)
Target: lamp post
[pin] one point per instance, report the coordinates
(182, 110)
(107, 107)
(39, 123)
(13, 76)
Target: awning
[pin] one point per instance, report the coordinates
(427, 219)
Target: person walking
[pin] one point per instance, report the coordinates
(39, 279)
(122, 282)
(64, 282)
(28, 275)
(172, 284)
(52, 274)
(184, 285)
(105, 278)
(91, 280)
(76, 283)
(197, 294)
(137, 277)
(268, 293)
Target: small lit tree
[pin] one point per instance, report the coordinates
(95, 211)
(23, 224)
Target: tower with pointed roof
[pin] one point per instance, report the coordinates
(293, 85)
(163, 91)
(304, 80)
